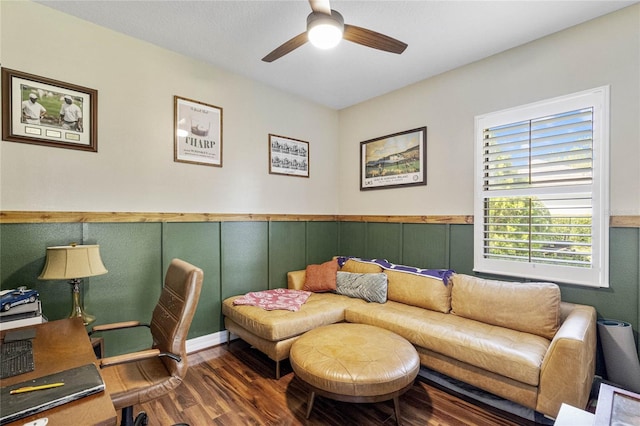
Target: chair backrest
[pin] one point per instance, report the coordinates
(174, 312)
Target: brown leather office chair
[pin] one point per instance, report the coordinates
(143, 376)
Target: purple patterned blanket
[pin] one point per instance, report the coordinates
(443, 274)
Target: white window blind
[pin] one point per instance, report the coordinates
(541, 207)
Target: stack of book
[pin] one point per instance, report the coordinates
(21, 316)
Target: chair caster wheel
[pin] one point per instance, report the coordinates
(141, 419)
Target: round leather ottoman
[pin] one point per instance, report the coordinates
(354, 363)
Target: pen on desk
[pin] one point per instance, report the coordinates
(35, 388)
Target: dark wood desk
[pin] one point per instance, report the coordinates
(61, 345)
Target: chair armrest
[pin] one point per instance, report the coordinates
(568, 367)
(116, 326)
(130, 357)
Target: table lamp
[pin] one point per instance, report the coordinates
(72, 263)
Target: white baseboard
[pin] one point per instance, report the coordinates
(206, 341)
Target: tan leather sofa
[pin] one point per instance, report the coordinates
(515, 340)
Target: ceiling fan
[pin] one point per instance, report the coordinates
(325, 29)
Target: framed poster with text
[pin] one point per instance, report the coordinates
(197, 132)
(394, 160)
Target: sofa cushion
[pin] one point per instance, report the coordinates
(528, 307)
(320, 309)
(320, 278)
(353, 265)
(368, 287)
(419, 290)
(503, 351)
(296, 279)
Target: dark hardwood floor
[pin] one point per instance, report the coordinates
(236, 386)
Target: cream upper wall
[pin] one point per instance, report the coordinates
(605, 51)
(134, 168)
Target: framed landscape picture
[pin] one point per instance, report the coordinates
(288, 156)
(43, 111)
(394, 160)
(197, 132)
(617, 406)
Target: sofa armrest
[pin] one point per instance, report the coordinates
(569, 365)
(296, 279)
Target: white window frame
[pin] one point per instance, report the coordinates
(598, 274)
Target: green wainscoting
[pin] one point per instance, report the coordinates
(287, 250)
(353, 239)
(22, 253)
(131, 288)
(622, 299)
(198, 244)
(384, 240)
(322, 242)
(461, 249)
(425, 246)
(243, 256)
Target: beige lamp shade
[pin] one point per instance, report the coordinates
(74, 261)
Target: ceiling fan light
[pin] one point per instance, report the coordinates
(325, 31)
(325, 36)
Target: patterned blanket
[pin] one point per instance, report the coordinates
(443, 274)
(279, 298)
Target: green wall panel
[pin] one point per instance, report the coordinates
(244, 250)
(425, 246)
(461, 249)
(322, 242)
(384, 241)
(619, 301)
(287, 252)
(132, 254)
(198, 244)
(352, 239)
(23, 249)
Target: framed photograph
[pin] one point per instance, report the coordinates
(288, 156)
(395, 160)
(197, 132)
(42, 111)
(616, 406)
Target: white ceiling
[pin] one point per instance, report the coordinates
(235, 35)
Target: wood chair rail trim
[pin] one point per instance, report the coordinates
(131, 217)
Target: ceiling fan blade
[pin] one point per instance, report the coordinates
(320, 6)
(286, 47)
(373, 39)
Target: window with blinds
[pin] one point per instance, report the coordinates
(541, 211)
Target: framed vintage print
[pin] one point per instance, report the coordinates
(197, 132)
(43, 111)
(288, 156)
(394, 160)
(617, 406)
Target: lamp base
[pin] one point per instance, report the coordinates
(77, 310)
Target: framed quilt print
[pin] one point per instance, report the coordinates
(288, 156)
